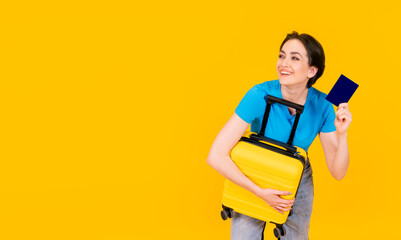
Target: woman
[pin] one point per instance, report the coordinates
(301, 62)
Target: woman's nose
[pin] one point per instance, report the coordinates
(284, 62)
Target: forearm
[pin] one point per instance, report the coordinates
(339, 164)
(226, 167)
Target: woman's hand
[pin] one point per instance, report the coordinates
(335, 144)
(343, 118)
(272, 197)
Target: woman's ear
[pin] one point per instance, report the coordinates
(312, 71)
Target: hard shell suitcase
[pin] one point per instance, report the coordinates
(269, 164)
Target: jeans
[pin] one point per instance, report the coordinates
(297, 225)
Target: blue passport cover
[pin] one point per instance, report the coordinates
(342, 91)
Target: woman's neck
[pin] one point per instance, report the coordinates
(296, 95)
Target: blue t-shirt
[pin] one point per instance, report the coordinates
(318, 115)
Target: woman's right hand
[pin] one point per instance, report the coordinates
(272, 197)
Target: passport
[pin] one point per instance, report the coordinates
(342, 91)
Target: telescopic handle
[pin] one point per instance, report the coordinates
(269, 101)
(272, 99)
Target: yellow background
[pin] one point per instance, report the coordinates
(109, 109)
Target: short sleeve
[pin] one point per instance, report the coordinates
(329, 117)
(251, 105)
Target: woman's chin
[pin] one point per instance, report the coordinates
(284, 81)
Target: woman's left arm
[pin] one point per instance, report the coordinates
(335, 145)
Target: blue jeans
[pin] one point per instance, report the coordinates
(297, 225)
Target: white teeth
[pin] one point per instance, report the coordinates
(285, 73)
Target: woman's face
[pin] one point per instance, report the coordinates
(293, 65)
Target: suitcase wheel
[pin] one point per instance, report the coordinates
(283, 231)
(279, 231)
(224, 214)
(227, 213)
(230, 213)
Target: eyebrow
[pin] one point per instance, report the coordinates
(292, 53)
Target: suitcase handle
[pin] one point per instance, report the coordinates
(269, 101)
(289, 148)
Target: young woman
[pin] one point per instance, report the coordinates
(300, 63)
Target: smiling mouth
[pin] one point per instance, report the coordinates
(285, 73)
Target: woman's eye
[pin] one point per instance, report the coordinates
(280, 56)
(295, 58)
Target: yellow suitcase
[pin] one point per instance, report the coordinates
(269, 164)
